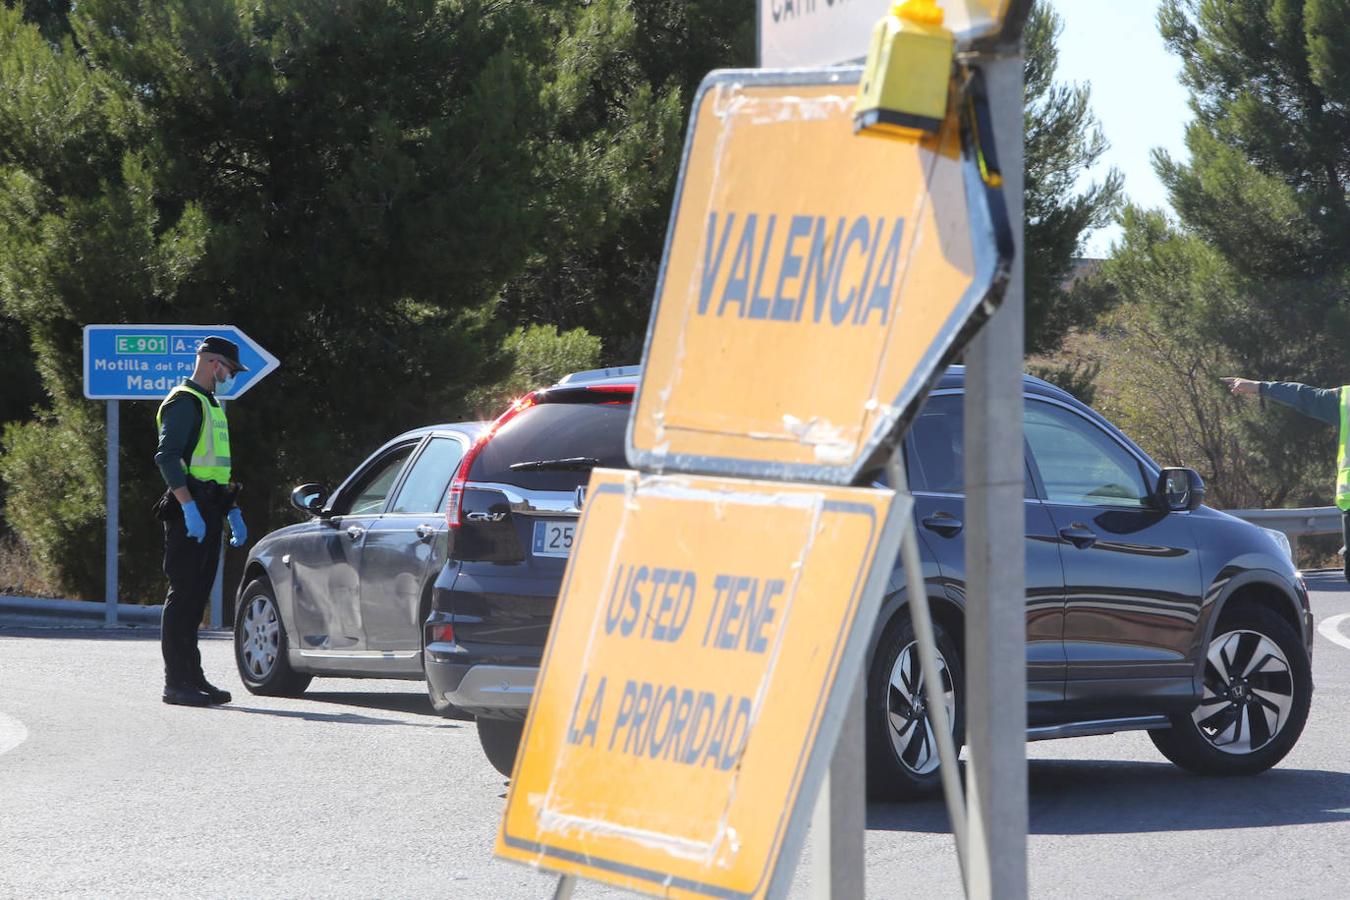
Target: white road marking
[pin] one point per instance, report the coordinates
(12, 733)
(1330, 628)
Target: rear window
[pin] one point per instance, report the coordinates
(554, 431)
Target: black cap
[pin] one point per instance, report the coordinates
(222, 347)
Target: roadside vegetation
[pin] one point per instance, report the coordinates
(425, 208)
(418, 207)
(1250, 275)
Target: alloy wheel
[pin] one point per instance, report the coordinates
(911, 731)
(1249, 692)
(261, 637)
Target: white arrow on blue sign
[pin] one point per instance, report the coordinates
(144, 362)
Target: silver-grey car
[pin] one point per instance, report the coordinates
(345, 593)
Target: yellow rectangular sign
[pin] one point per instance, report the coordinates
(813, 283)
(707, 637)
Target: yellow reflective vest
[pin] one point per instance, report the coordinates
(210, 460)
(1342, 463)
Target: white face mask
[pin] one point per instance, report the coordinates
(226, 384)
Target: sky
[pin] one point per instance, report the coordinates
(1114, 46)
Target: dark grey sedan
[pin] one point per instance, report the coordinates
(345, 593)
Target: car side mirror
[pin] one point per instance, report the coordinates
(1180, 489)
(310, 498)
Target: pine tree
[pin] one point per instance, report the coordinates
(596, 266)
(1253, 275)
(1267, 178)
(352, 182)
(1063, 141)
(1265, 188)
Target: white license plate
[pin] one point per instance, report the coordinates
(554, 538)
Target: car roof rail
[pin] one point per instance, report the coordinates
(601, 374)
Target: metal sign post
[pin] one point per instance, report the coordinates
(839, 822)
(144, 362)
(112, 485)
(996, 697)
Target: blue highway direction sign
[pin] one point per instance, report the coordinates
(143, 362)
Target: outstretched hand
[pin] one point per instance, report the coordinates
(1240, 386)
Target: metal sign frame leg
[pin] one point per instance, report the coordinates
(839, 822)
(112, 486)
(922, 618)
(995, 657)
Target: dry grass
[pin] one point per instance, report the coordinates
(1320, 552)
(19, 573)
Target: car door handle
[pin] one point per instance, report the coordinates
(355, 533)
(1080, 536)
(944, 524)
(425, 532)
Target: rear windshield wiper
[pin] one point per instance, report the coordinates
(575, 463)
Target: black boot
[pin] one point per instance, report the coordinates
(179, 694)
(214, 694)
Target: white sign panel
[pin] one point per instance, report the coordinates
(810, 33)
(805, 33)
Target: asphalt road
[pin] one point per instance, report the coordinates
(357, 790)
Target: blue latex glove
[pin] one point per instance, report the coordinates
(192, 518)
(238, 533)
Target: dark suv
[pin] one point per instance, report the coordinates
(512, 511)
(1144, 610)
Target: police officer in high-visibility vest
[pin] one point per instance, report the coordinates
(194, 458)
(1329, 405)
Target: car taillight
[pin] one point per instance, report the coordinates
(454, 502)
(456, 497)
(442, 632)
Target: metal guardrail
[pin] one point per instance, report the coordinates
(1295, 523)
(1317, 520)
(77, 609)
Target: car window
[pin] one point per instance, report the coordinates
(368, 494)
(938, 462)
(1079, 462)
(553, 431)
(425, 485)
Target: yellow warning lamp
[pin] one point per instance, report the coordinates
(903, 92)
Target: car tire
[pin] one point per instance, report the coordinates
(500, 739)
(260, 645)
(902, 756)
(1257, 690)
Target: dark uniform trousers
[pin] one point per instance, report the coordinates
(1345, 541)
(191, 570)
